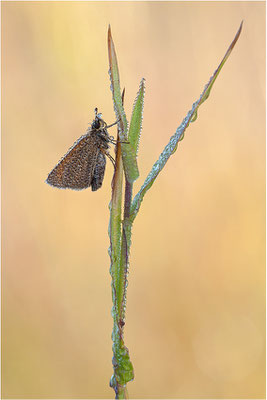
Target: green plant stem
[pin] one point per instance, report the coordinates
(115, 246)
(122, 393)
(125, 243)
(123, 369)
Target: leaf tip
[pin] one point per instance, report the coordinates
(142, 83)
(232, 45)
(240, 29)
(109, 35)
(122, 95)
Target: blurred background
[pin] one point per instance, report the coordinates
(195, 324)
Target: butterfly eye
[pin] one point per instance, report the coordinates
(96, 124)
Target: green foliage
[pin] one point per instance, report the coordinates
(120, 229)
(128, 155)
(137, 116)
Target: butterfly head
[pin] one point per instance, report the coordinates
(98, 122)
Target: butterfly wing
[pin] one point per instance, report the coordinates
(76, 169)
(99, 172)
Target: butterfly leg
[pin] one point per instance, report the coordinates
(114, 123)
(114, 141)
(104, 151)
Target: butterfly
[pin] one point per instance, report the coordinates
(84, 164)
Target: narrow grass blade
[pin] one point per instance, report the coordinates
(179, 134)
(207, 90)
(128, 155)
(137, 117)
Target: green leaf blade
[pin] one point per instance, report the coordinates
(137, 116)
(206, 92)
(128, 156)
(179, 134)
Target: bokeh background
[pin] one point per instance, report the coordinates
(195, 323)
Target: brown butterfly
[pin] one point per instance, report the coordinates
(84, 164)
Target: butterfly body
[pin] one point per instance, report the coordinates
(84, 164)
